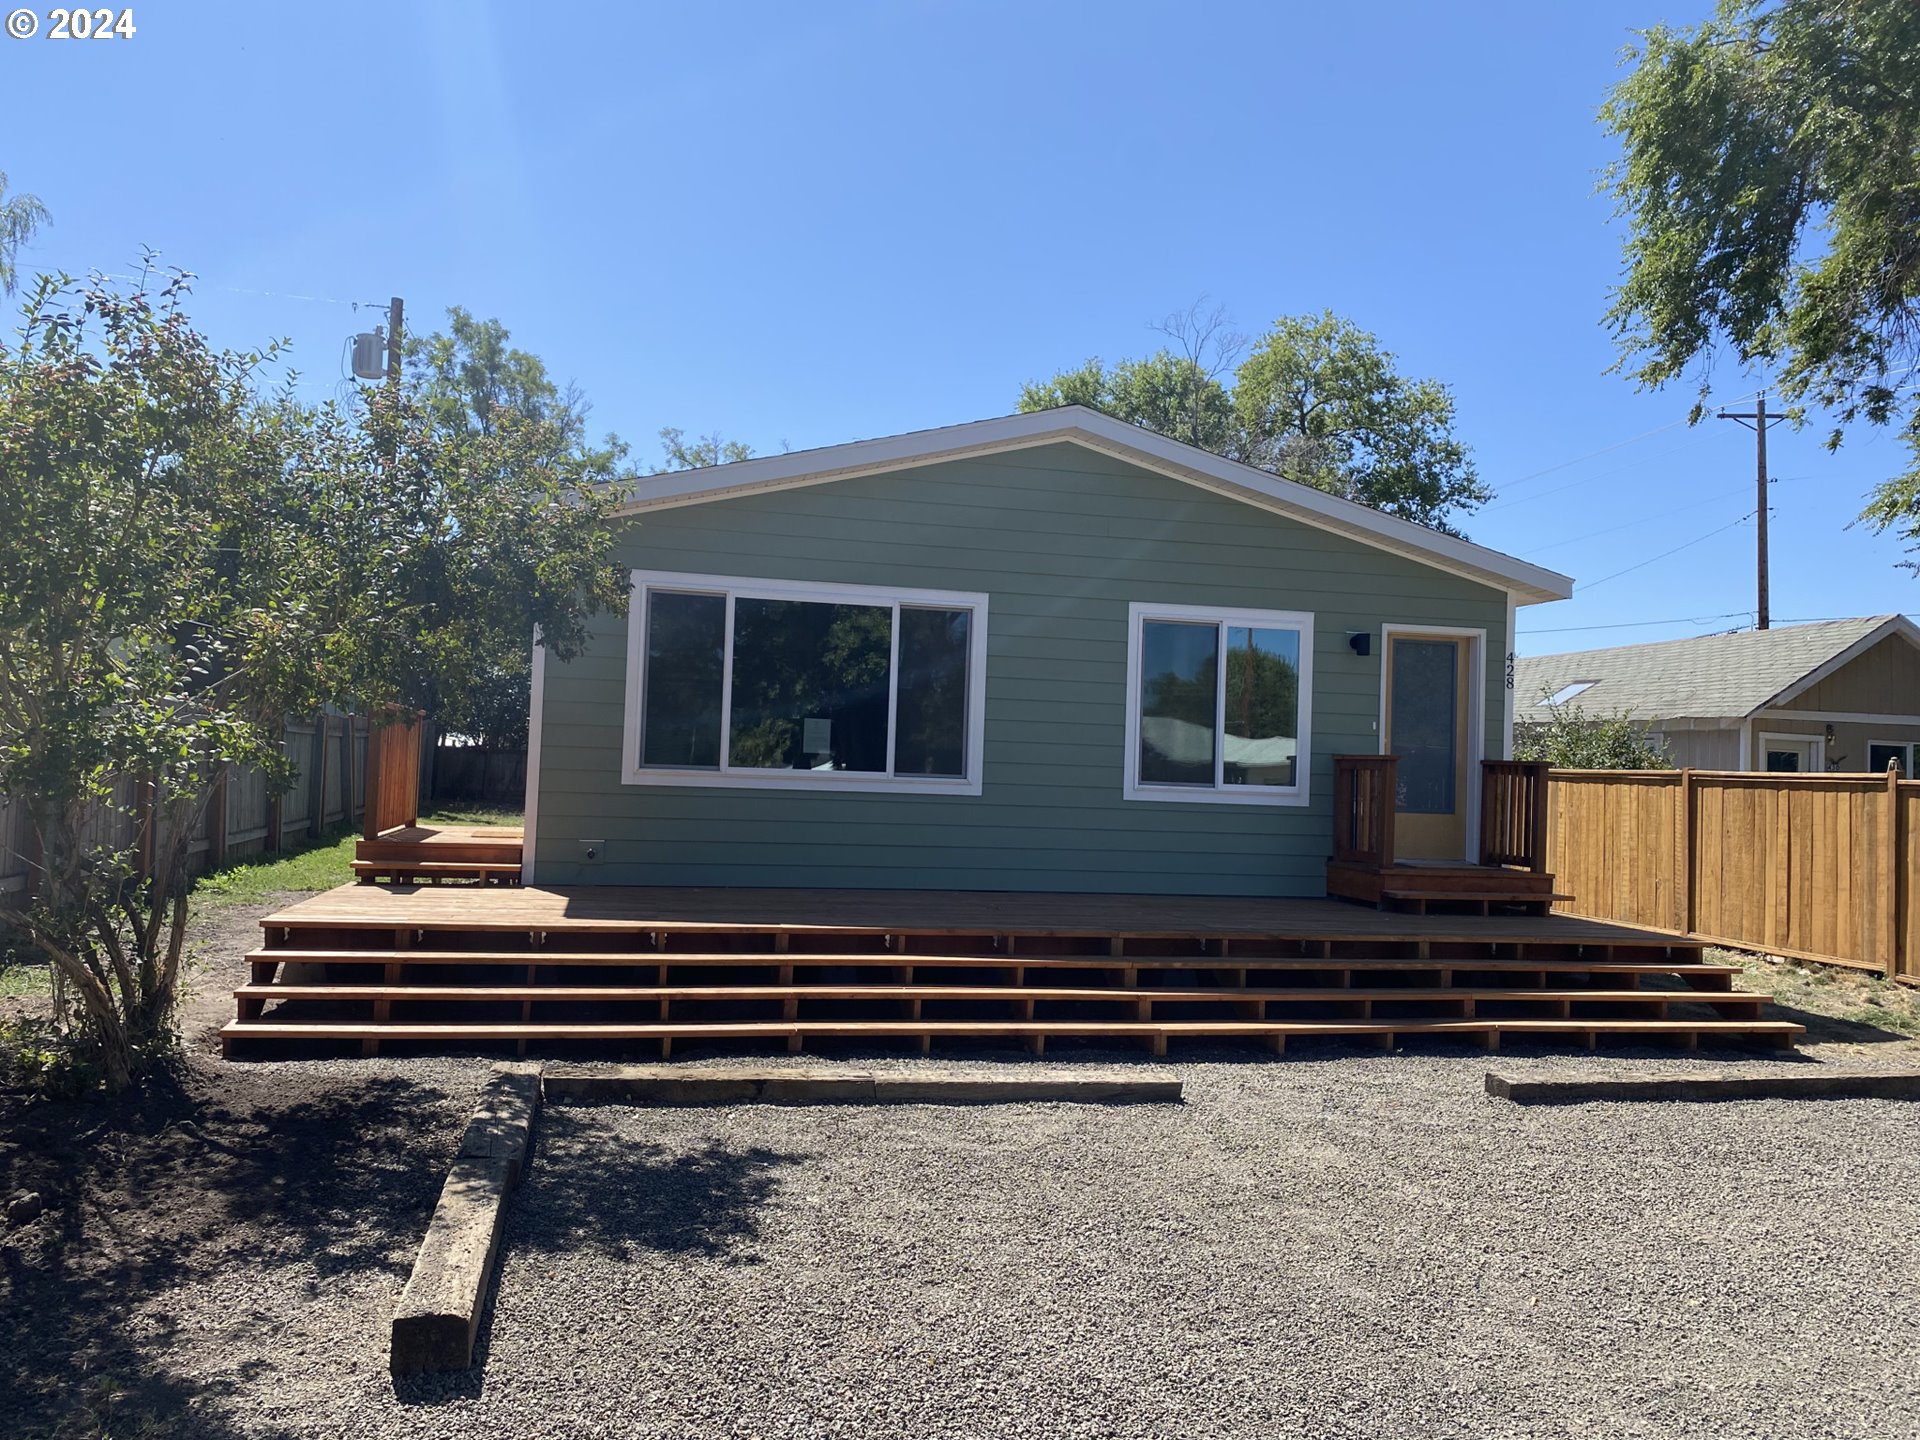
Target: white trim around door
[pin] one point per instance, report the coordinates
(1476, 708)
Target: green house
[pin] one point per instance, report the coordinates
(1048, 652)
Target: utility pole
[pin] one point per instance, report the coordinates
(396, 324)
(1757, 421)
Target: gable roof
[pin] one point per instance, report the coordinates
(1709, 677)
(1077, 425)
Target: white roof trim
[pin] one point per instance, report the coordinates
(1528, 584)
(1894, 625)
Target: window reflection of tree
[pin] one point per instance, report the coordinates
(796, 660)
(686, 638)
(930, 720)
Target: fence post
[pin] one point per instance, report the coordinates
(217, 822)
(1890, 877)
(1688, 840)
(317, 780)
(346, 771)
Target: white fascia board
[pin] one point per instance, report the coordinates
(1526, 584)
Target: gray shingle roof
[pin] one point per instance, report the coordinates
(1710, 677)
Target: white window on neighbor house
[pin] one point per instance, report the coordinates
(1219, 704)
(1882, 753)
(785, 685)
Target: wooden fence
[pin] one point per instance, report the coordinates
(1819, 867)
(478, 774)
(329, 788)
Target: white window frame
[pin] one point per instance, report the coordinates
(1905, 747)
(738, 587)
(1299, 793)
(1765, 738)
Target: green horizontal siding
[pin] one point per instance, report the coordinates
(1061, 540)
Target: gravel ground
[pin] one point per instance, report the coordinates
(1340, 1243)
(1362, 1245)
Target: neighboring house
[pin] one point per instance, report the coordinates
(1046, 652)
(1838, 695)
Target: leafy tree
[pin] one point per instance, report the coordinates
(150, 627)
(697, 454)
(1164, 392)
(20, 217)
(1572, 739)
(447, 549)
(482, 413)
(184, 564)
(1769, 178)
(1316, 401)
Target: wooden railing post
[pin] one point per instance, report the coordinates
(1536, 845)
(1889, 887)
(1689, 842)
(1387, 796)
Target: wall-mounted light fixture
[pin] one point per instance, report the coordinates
(1360, 641)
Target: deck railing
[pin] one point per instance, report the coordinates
(393, 774)
(1513, 814)
(1365, 795)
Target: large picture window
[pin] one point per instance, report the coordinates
(744, 682)
(1218, 704)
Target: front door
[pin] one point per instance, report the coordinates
(1429, 680)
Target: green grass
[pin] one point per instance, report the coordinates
(25, 982)
(474, 815)
(321, 865)
(1853, 997)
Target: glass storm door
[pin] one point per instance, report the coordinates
(1428, 679)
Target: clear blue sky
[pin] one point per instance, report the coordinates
(807, 224)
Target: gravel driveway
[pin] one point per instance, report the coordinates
(1361, 1245)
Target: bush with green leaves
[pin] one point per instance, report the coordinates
(1572, 739)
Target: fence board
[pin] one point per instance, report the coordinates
(1817, 866)
(249, 807)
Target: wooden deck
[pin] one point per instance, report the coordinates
(437, 854)
(641, 909)
(377, 965)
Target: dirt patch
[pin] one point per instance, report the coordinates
(190, 1234)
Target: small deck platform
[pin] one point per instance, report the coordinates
(434, 854)
(1422, 887)
(377, 965)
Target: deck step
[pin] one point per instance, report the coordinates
(438, 867)
(1491, 897)
(1158, 1032)
(935, 961)
(647, 994)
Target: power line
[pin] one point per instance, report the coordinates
(1659, 515)
(1686, 545)
(1609, 449)
(1640, 624)
(1692, 439)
